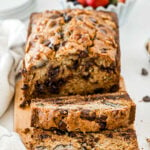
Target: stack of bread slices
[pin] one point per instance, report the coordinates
(72, 84)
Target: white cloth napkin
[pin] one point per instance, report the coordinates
(12, 39)
(10, 140)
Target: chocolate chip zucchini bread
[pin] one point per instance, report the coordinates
(83, 113)
(71, 52)
(119, 139)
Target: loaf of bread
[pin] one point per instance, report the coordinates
(71, 52)
(119, 139)
(83, 113)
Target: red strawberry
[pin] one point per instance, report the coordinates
(96, 3)
(122, 1)
(83, 2)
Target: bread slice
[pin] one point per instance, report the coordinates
(83, 113)
(119, 139)
(70, 52)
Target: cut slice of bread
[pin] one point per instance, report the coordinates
(83, 113)
(119, 139)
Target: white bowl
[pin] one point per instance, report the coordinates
(121, 9)
(17, 9)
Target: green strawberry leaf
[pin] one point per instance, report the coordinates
(113, 1)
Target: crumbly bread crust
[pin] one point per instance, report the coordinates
(71, 52)
(83, 113)
(119, 139)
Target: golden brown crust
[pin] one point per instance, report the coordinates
(71, 52)
(83, 113)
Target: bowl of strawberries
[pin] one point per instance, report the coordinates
(121, 7)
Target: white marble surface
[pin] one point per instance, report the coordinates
(133, 36)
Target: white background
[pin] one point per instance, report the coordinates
(133, 35)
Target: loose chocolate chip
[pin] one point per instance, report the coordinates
(83, 54)
(25, 87)
(146, 98)
(144, 72)
(46, 43)
(62, 125)
(67, 18)
(87, 115)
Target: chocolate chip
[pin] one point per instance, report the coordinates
(126, 136)
(102, 125)
(102, 122)
(53, 72)
(72, 134)
(64, 112)
(62, 125)
(58, 132)
(25, 87)
(39, 87)
(67, 18)
(24, 103)
(86, 77)
(88, 115)
(63, 43)
(99, 90)
(75, 64)
(43, 136)
(114, 88)
(54, 47)
(144, 72)
(83, 54)
(146, 99)
(27, 130)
